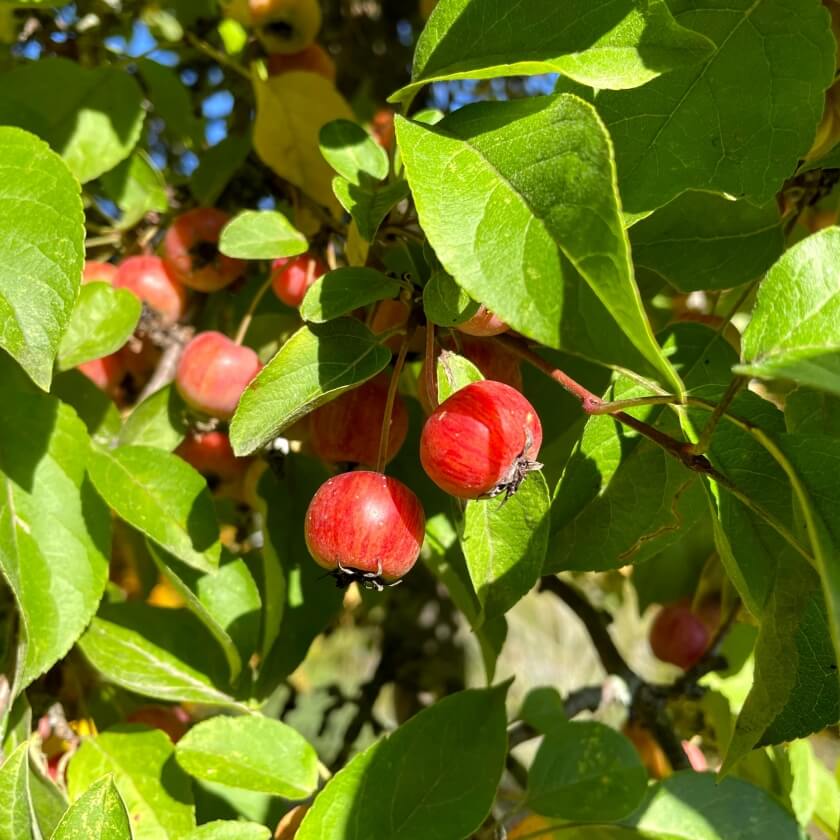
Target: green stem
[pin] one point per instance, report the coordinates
(249, 315)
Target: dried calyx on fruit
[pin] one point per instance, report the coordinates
(481, 442)
(365, 527)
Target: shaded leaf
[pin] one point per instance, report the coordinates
(352, 152)
(339, 292)
(15, 818)
(367, 206)
(137, 187)
(159, 421)
(445, 303)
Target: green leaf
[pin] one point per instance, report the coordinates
(99, 812)
(217, 166)
(505, 545)
(593, 527)
(812, 412)
(438, 773)
(94, 407)
(229, 830)
(103, 319)
(252, 753)
(795, 328)
(155, 790)
(261, 235)
(353, 153)
(736, 123)
(368, 206)
(706, 241)
(137, 187)
(170, 101)
(158, 652)
(225, 600)
(795, 690)
(341, 291)
(586, 772)
(315, 365)
(48, 802)
(15, 817)
(163, 497)
(41, 251)
(539, 174)
(91, 117)
(54, 531)
(159, 421)
(445, 302)
(607, 43)
(453, 373)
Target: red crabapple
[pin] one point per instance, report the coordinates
(484, 323)
(292, 276)
(191, 251)
(99, 272)
(106, 373)
(213, 373)
(679, 636)
(311, 59)
(482, 441)
(348, 428)
(366, 527)
(211, 454)
(172, 720)
(146, 276)
(382, 128)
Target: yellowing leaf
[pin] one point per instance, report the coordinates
(291, 109)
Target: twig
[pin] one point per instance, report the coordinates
(702, 445)
(430, 367)
(385, 435)
(249, 315)
(217, 55)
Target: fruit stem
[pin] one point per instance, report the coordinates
(249, 315)
(385, 436)
(430, 367)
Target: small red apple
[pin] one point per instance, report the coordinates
(99, 272)
(191, 251)
(292, 276)
(106, 373)
(482, 441)
(213, 373)
(146, 276)
(382, 128)
(348, 428)
(679, 636)
(484, 323)
(211, 454)
(311, 59)
(173, 720)
(365, 526)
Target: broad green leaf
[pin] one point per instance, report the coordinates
(54, 531)
(298, 601)
(795, 328)
(368, 206)
(593, 526)
(15, 817)
(739, 121)
(229, 830)
(48, 802)
(453, 373)
(103, 320)
(94, 407)
(353, 153)
(438, 773)
(587, 772)
(156, 792)
(605, 43)
(812, 412)
(99, 812)
(170, 101)
(160, 421)
(158, 652)
(250, 752)
(137, 187)
(795, 689)
(519, 202)
(164, 497)
(445, 302)
(315, 365)
(261, 235)
(505, 545)
(706, 241)
(341, 291)
(217, 166)
(41, 251)
(91, 117)
(225, 600)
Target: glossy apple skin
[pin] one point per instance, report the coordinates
(285, 26)
(211, 454)
(382, 128)
(213, 372)
(364, 519)
(190, 251)
(311, 59)
(147, 278)
(99, 272)
(348, 428)
(106, 373)
(679, 636)
(483, 324)
(292, 276)
(471, 441)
